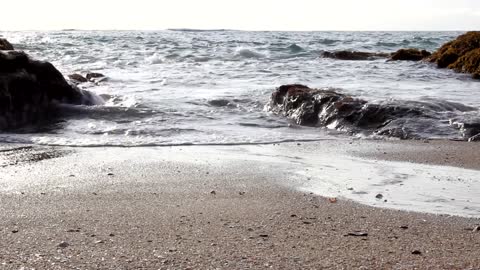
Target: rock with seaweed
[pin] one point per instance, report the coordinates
(409, 55)
(461, 54)
(31, 89)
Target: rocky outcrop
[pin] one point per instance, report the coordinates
(409, 55)
(354, 55)
(461, 54)
(30, 89)
(334, 110)
(400, 55)
(326, 107)
(5, 45)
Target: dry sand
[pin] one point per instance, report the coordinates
(216, 208)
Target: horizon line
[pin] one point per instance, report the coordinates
(181, 29)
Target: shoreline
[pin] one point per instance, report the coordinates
(218, 207)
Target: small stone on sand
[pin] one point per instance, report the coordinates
(63, 244)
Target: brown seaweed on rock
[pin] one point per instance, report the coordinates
(410, 55)
(461, 54)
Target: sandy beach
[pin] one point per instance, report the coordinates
(222, 207)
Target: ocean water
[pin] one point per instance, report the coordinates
(211, 87)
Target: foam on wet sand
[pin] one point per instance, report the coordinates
(241, 206)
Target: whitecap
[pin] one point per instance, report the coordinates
(154, 59)
(248, 53)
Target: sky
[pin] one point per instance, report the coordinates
(291, 15)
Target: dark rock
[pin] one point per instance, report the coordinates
(328, 108)
(91, 76)
(31, 89)
(410, 55)
(461, 54)
(416, 252)
(379, 196)
(357, 234)
(353, 55)
(219, 102)
(63, 245)
(77, 78)
(470, 131)
(5, 45)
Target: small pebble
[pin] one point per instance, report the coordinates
(63, 244)
(416, 252)
(379, 196)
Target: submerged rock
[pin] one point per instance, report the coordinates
(30, 89)
(77, 78)
(410, 55)
(461, 54)
(354, 55)
(334, 110)
(5, 45)
(402, 54)
(92, 75)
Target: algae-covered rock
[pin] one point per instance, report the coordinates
(410, 55)
(461, 54)
(468, 63)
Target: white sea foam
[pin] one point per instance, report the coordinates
(248, 53)
(168, 77)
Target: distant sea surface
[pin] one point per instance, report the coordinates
(211, 87)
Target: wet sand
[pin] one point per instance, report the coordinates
(210, 207)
